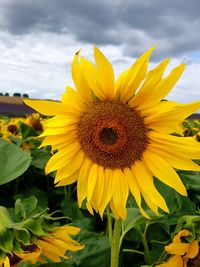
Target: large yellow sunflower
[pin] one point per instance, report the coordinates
(114, 137)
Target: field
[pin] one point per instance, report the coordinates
(28, 193)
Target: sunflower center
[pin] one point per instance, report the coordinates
(112, 134)
(108, 136)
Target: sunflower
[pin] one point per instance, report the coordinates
(182, 251)
(59, 242)
(52, 247)
(113, 137)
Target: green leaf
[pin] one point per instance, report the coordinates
(6, 238)
(23, 236)
(40, 158)
(27, 130)
(24, 208)
(134, 218)
(191, 180)
(13, 161)
(35, 227)
(95, 253)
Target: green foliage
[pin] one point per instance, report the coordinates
(13, 161)
(27, 130)
(34, 193)
(96, 251)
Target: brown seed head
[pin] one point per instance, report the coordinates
(112, 134)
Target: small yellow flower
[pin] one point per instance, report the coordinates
(114, 137)
(181, 251)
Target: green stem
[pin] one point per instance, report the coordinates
(146, 248)
(133, 251)
(65, 191)
(109, 224)
(115, 248)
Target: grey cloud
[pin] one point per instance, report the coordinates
(133, 24)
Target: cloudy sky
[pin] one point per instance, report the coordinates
(38, 40)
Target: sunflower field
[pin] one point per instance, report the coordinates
(25, 189)
(118, 201)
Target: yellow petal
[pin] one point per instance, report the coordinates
(66, 181)
(63, 246)
(6, 262)
(30, 256)
(70, 168)
(129, 81)
(134, 188)
(149, 202)
(164, 172)
(163, 87)
(120, 192)
(98, 189)
(174, 160)
(79, 81)
(177, 248)
(107, 194)
(193, 250)
(168, 128)
(153, 77)
(179, 113)
(90, 73)
(83, 180)
(178, 144)
(92, 181)
(59, 139)
(175, 261)
(105, 74)
(62, 157)
(114, 210)
(161, 107)
(145, 182)
(47, 108)
(60, 130)
(51, 248)
(72, 99)
(182, 233)
(50, 255)
(89, 207)
(60, 121)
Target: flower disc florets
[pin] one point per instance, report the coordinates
(112, 134)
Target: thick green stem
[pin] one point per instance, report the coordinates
(115, 247)
(109, 224)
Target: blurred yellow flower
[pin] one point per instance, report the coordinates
(5, 262)
(34, 121)
(114, 137)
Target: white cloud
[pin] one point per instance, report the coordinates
(40, 65)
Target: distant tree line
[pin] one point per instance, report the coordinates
(15, 94)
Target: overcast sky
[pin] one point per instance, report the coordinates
(39, 38)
